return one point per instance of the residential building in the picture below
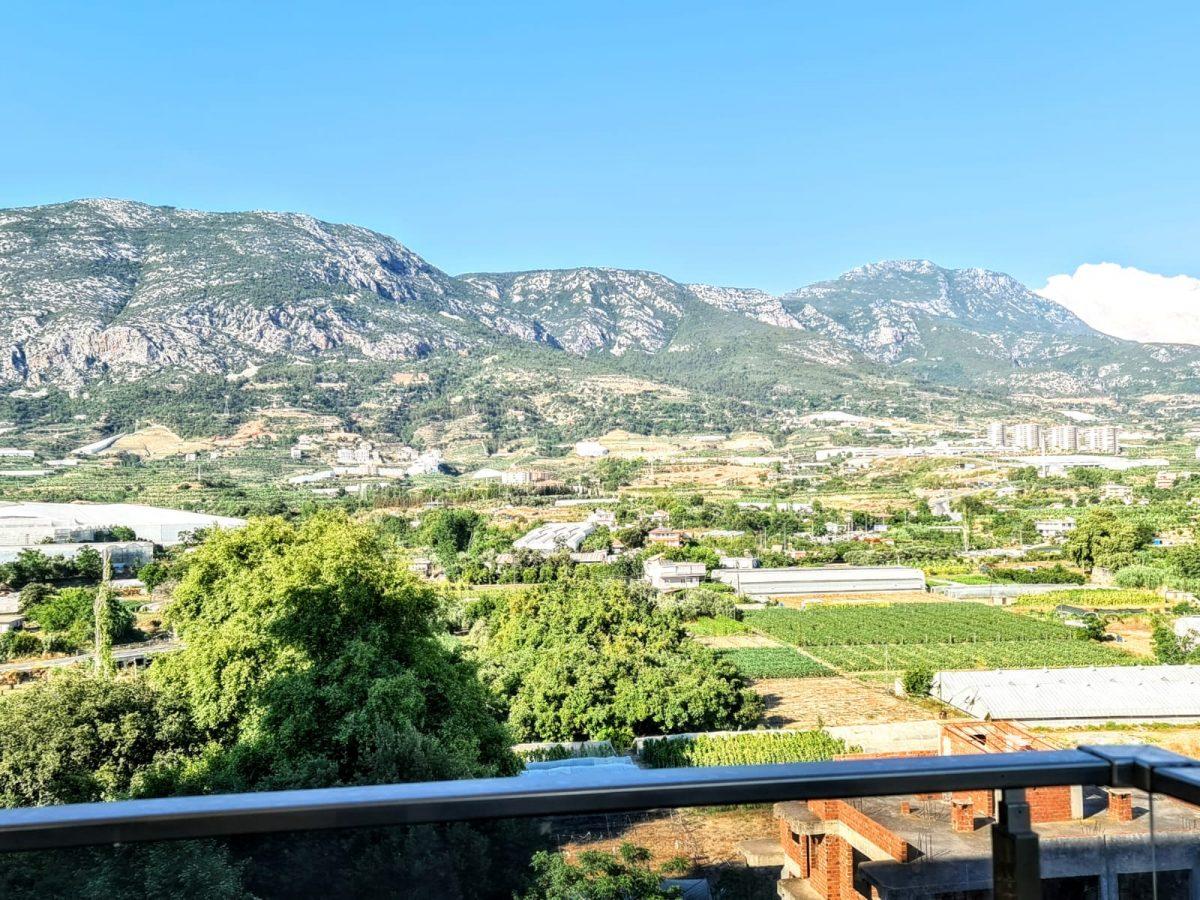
(1026, 436)
(1100, 439)
(1064, 438)
(603, 518)
(1054, 529)
(1165, 480)
(1094, 842)
(522, 477)
(665, 575)
(1120, 493)
(667, 537)
(996, 436)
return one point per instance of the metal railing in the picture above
(602, 790)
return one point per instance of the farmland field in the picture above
(907, 623)
(774, 662)
(932, 635)
(717, 626)
(750, 748)
(981, 655)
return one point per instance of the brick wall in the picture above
(1120, 805)
(1049, 804)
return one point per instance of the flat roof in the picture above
(1103, 692)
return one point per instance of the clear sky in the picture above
(756, 144)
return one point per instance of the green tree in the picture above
(1101, 537)
(88, 564)
(70, 613)
(312, 659)
(599, 875)
(602, 661)
(75, 739)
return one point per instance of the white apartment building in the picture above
(1063, 438)
(1026, 436)
(1100, 439)
(996, 436)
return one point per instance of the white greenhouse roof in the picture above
(553, 537)
(1109, 692)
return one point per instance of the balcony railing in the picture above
(583, 791)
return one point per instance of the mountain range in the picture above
(109, 292)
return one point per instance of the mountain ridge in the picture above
(103, 290)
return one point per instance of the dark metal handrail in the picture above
(591, 790)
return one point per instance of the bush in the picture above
(917, 682)
(701, 602)
(1144, 577)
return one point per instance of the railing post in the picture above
(1016, 867)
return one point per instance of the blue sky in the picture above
(755, 144)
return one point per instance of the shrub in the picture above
(917, 682)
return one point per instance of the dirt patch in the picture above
(808, 702)
(705, 836)
(1135, 634)
(717, 475)
(1183, 739)
(871, 597)
(736, 641)
(155, 442)
(405, 379)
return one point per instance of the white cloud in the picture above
(1129, 303)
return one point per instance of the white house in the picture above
(665, 575)
(1054, 529)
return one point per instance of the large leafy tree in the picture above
(1102, 538)
(312, 658)
(602, 661)
(79, 739)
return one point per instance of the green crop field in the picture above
(982, 655)
(774, 662)
(902, 623)
(932, 635)
(717, 626)
(747, 749)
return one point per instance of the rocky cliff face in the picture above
(107, 289)
(111, 288)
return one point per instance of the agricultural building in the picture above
(548, 539)
(125, 556)
(798, 581)
(33, 523)
(1062, 696)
